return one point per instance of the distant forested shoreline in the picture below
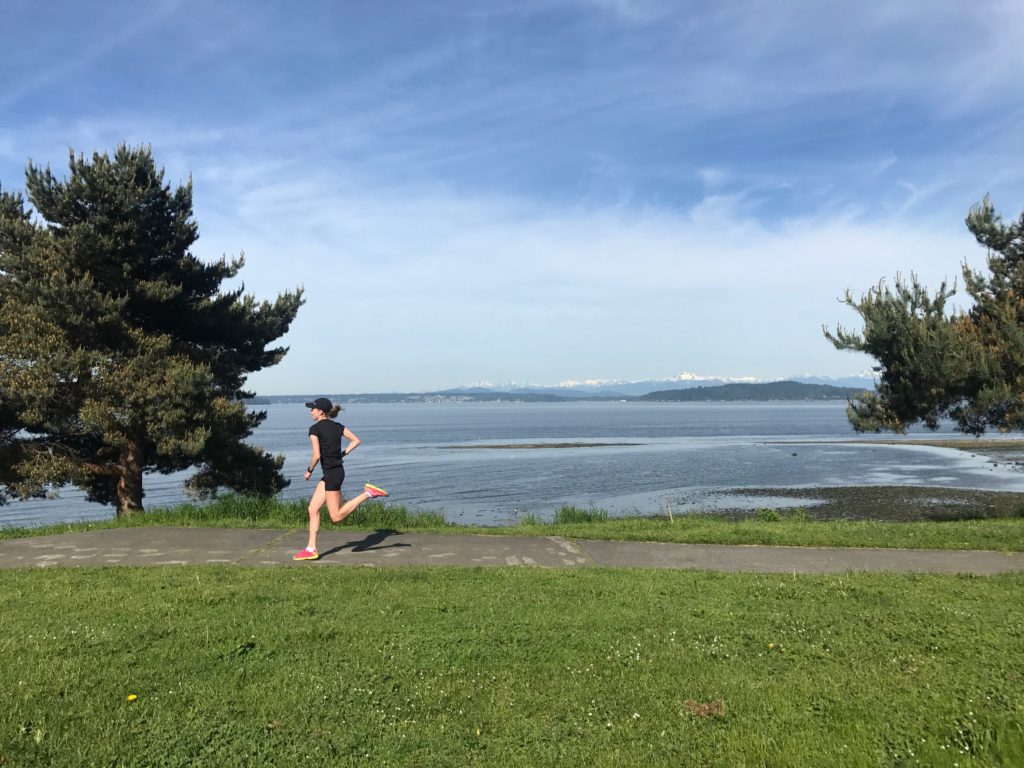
(774, 390)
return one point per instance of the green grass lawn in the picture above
(1005, 532)
(508, 667)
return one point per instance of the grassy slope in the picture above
(508, 667)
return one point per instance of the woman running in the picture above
(326, 436)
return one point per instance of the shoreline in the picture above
(885, 503)
(534, 446)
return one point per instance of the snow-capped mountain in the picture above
(866, 379)
(685, 380)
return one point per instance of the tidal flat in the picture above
(887, 503)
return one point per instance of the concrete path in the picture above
(179, 546)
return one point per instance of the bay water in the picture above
(490, 463)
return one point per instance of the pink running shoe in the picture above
(373, 491)
(306, 554)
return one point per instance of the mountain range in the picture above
(800, 387)
(685, 380)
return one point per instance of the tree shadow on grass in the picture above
(371, 543)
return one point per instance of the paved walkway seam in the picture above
(254, 552)
(574, 549)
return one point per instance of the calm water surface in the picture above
(435, 456)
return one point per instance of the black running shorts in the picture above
(333, 478)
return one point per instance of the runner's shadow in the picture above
(368, 544)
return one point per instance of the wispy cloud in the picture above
(711, 283)
(548, 190)
(66, 60)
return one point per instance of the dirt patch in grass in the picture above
(707, 709)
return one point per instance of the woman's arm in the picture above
(353, 441)
(316, 455)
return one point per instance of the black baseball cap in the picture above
(322, 403)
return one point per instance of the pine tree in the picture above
(935, 362)
(119, 353)
(8, 446)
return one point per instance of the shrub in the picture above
(801, 514)
(577, 515)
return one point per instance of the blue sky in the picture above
(544, 191)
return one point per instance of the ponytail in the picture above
(335, 410)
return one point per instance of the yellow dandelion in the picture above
(771, 645)
(132, 697)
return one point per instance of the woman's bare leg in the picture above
(349, 507)
(315, 503)
(334, 506)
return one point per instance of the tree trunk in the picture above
(129, 483)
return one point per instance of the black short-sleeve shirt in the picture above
(329, 434)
